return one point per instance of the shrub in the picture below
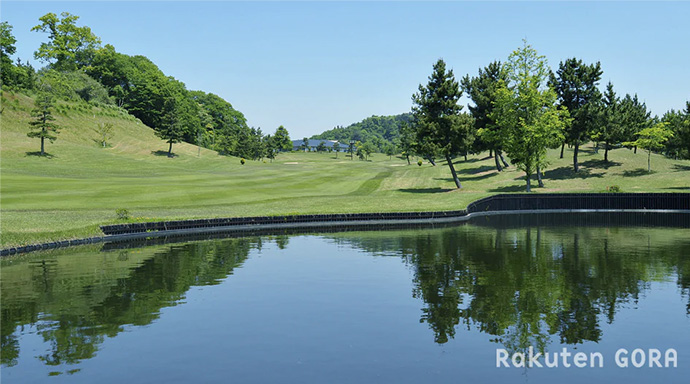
(122, 214)
(419, 162)
(242, 161)
(613, 189)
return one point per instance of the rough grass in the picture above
(80, 185)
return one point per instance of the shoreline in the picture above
(501, 204)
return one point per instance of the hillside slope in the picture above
(81, 185)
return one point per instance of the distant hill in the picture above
(378, 130)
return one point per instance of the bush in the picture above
(419, 162)
(122, 214)
(613, 189)
(242, 161)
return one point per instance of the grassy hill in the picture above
(80, 185)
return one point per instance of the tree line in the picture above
(79, 68)
(522, 108)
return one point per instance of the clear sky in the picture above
(313, 65)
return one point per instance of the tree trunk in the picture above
(606, 151)
(635, 150)
(649, 160)
(170, 148)
(408, 159)
(596, 147)
(505, 163)
(42, 146)
(498, 163)
(452, 170)
(562, 149)
(575, 150)
(541, 183)
(465, 156)
(431, 160)
(529, 186)
(491, 152)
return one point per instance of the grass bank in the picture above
(80, 185)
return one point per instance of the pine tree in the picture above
(610, 130)
(576, 85)
(171, 129)
(439, 124)
(43, 127)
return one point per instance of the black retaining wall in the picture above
(501, 202)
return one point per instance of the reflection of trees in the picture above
(524, 283)
(73, 317)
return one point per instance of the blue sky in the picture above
(313, 65)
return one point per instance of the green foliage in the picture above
(321, 147)
(678, 146)
(242, 161)
(635, 117)
(526, 112)
(73, 85)
(482, 90)
(171, 128)
(69, 47)
(282, 139)
(440, 126)
(576, 84)
(122, 214)
(652, 139)
(610, 128)
(613, 189)
(419, 162)
(43, 126)
(105, 133)
(378, 130)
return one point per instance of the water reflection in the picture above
(521, 282)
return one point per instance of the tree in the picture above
(482, 91)
(321, 147)
(407, 141)
(336, 148)
(171, 129)
(389, 150)
(105, 133)
(610, 129)
(271, 146)
(282, 139)
(635, 117)
(439, 124)
(69, 47)
(576, 84)
(43, 127)
(305, 144)
(652, 139)
(526, 112)
(7, 49)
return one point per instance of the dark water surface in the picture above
(400, 306)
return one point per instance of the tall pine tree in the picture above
(576, 85)
(439, 122)
(43, 127)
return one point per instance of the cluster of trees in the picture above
(79, 68)
(522, 108)
(380, 132)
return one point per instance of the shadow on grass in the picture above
(38, 154)
(163, 153)
(512, 188)
(472, 171)
(467, 178)
(679, 167)
(426, 190)
(599, 164)
(679, 188)
(637, 172)
(100, 144)
(564, 173)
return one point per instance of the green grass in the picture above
(80, 185)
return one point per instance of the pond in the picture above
(456, 303)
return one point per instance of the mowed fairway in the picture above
(80, 185)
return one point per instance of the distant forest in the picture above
(380, 131)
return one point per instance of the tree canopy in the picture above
(69, 47)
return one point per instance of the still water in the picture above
(398, 306)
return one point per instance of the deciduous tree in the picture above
(652, 139)
(526, 111)
(69, 47)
